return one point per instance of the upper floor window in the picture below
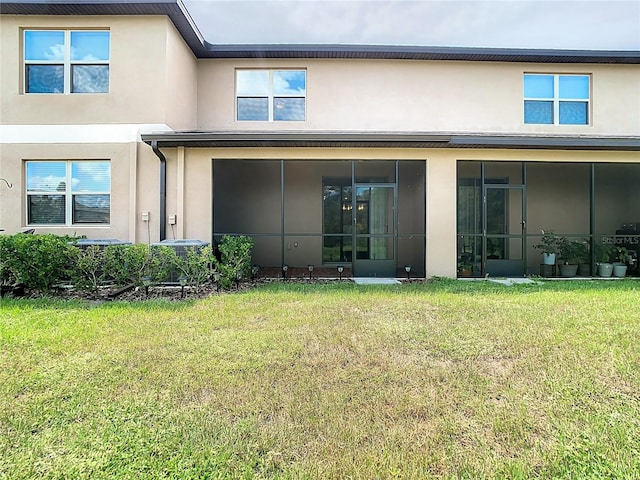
(66, 61)
(271, 95)
(556, 99)
(68, 192)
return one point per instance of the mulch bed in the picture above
(176, 293)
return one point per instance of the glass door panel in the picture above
(337, 220)
(374, 223)
(337, 249)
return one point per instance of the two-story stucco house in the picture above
(119, 121)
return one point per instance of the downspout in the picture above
(163, 188)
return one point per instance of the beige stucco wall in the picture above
(543, 183)
(13, 201)
(615, 187)
(188, 192)
(151, 75)
(181, 74)
(427, 96)
(147, 195)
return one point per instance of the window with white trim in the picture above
(66, 61)
(271, 95)
(556, 99)
(68, 192)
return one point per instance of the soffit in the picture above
(399, 52)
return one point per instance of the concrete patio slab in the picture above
(511, 281)
(375, 281)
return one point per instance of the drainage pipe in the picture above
(163, 188)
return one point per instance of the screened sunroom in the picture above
(367, 216)
(503, 208)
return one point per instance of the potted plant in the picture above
(570, 253)
(603, 256)
(576, 252)
(620, 265)
(550, 246)
(465, 269)
(583, 256)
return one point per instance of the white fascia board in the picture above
(96, 133)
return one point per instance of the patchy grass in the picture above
(443, 379)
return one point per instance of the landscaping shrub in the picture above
(235, 259)
(200, 265)
(197, 267)
(6, 274)
(86, 269)
(39, 262)
(130, 264)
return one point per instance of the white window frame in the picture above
(556, 100)
(66, 62)
(68, 194)
(270, 94)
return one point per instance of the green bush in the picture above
(131, 264)
(197, 267)
(86, 267)
(39, 262)
(235, 259)
(6, 251)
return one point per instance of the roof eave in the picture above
(385, 140)
(174, 9)
(413, 52)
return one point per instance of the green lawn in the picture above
(444, 379)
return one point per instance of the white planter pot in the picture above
(549, 258)
(605, 269)
(619, 270)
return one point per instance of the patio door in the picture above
(374, 232)
(504, 230)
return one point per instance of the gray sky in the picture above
(568, 24)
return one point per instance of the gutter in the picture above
(262, 139)
(163, 188)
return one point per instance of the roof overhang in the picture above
(261, 139)
(413, 52)
(174, 9)
(181, 18)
